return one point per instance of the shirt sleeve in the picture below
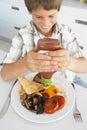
(21, 44)
(15, 51)
(70, 42)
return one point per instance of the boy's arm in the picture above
(12, 70)
(78, 65)
(33, 61)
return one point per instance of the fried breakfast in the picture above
(36, 99)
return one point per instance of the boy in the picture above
(23, 56)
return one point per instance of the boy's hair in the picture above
(46, 4)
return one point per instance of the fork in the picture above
(76, 113)
(7, 102)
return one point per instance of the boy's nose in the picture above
(46, 22)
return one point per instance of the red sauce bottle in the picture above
(44, 45)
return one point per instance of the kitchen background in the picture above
(14, 15)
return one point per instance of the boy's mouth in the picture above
(46, 28)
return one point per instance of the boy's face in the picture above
(44, 20)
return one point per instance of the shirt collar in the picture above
(37, 35)
(56, 31)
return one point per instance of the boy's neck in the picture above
(49, 34)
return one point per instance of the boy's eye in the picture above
(51, 16)
(38, 17)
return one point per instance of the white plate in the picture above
(45, 118)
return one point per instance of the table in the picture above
(12, 121)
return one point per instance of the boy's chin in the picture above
(46, 33)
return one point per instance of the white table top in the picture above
(12, 121)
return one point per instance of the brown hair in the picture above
(46, 4)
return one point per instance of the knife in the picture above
(7, 102)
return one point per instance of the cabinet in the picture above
(13, 16)
(77, 20)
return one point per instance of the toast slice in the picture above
(30, 86)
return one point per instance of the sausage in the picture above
(45, 96)
(61, 101)
(51, 105)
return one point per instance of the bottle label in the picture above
(46, 82)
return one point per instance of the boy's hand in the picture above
(62, 57)
(37, 62)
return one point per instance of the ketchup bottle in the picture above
(44, 45)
